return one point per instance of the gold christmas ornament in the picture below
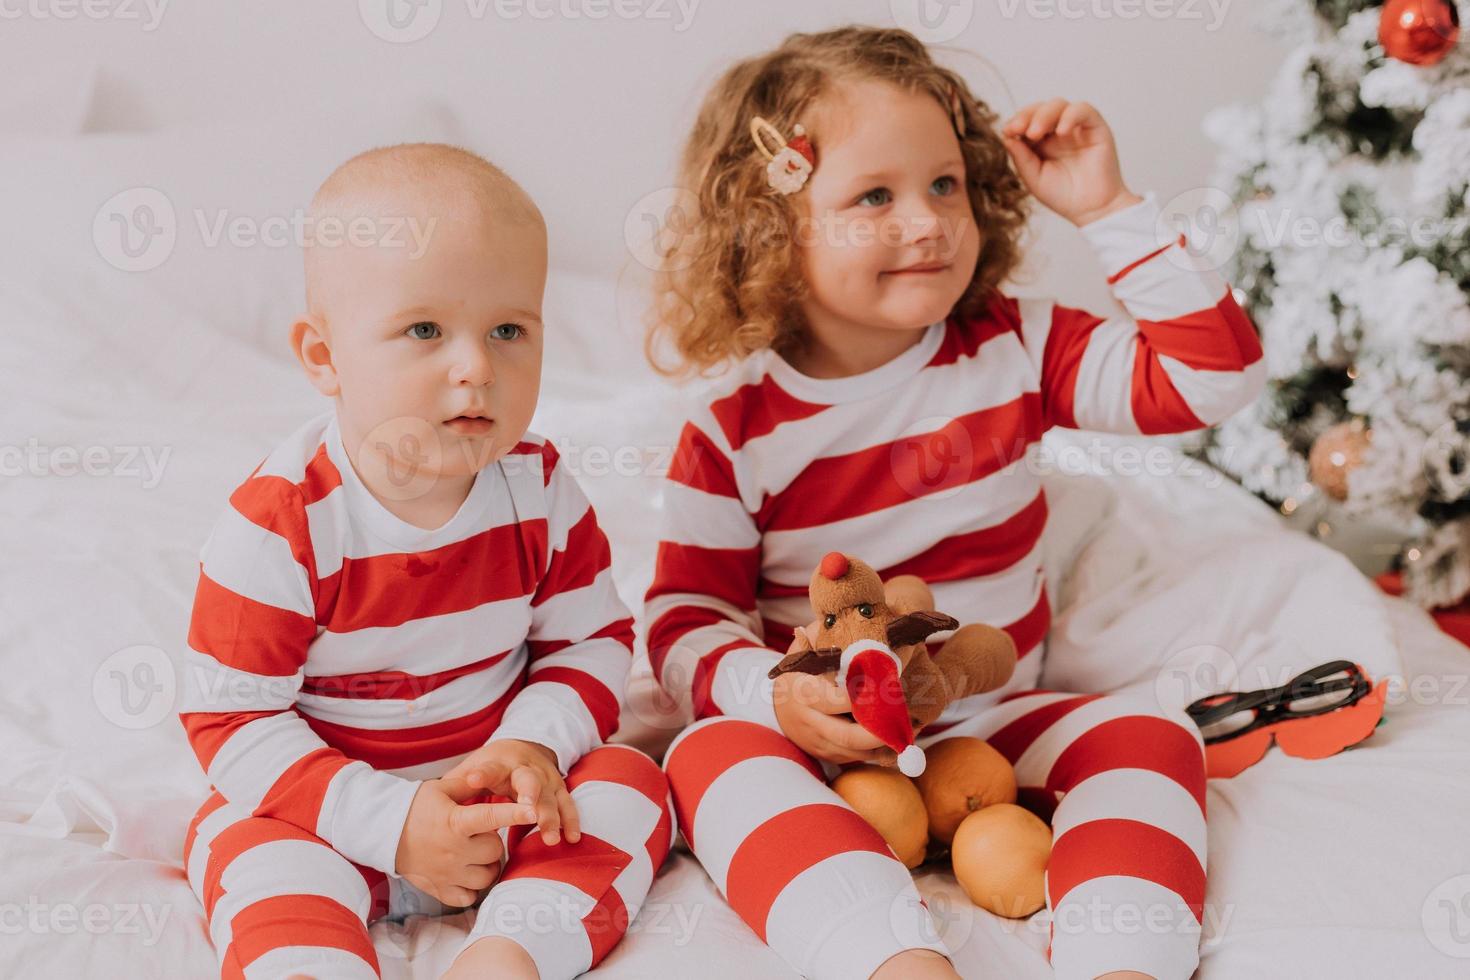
(1335, 454)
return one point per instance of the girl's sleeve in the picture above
(704, 630)
(581, 635)
(253, 619)
(1184, 356)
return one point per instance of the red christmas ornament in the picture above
(1420, 32)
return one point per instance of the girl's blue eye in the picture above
(945, 185)
(513, 328)
(879, 192)
(423, 331)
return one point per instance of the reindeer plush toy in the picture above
(871, 634)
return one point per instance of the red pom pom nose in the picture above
(834, 565)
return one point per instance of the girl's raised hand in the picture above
(1065, 154)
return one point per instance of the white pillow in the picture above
(53, 100)
(1077, 507)
(70, 202)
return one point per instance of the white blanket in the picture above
(1353, 866)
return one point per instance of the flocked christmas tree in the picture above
(1348, 247)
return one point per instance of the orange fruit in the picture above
(962, 775)
(888, 800)
(999, 856)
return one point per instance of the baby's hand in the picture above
(1065, 154)
(526, 771)
(453, 851)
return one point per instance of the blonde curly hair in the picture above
(730, 282)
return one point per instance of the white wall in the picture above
(589, 112)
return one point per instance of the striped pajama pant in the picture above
(1121, 782)
(280, 900)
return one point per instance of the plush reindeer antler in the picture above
(917, 627)
(809, 662)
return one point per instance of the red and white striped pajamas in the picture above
(338, 656)
(922, 466)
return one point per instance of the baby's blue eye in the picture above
(423, 330)
(877, 192)
(945, 185)
(507, 331)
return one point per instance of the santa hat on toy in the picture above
(870, 671)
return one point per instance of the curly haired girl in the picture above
(856, 212)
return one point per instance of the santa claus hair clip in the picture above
(790, 163)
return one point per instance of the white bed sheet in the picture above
(1346, 867)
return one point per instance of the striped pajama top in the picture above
(338, 655)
